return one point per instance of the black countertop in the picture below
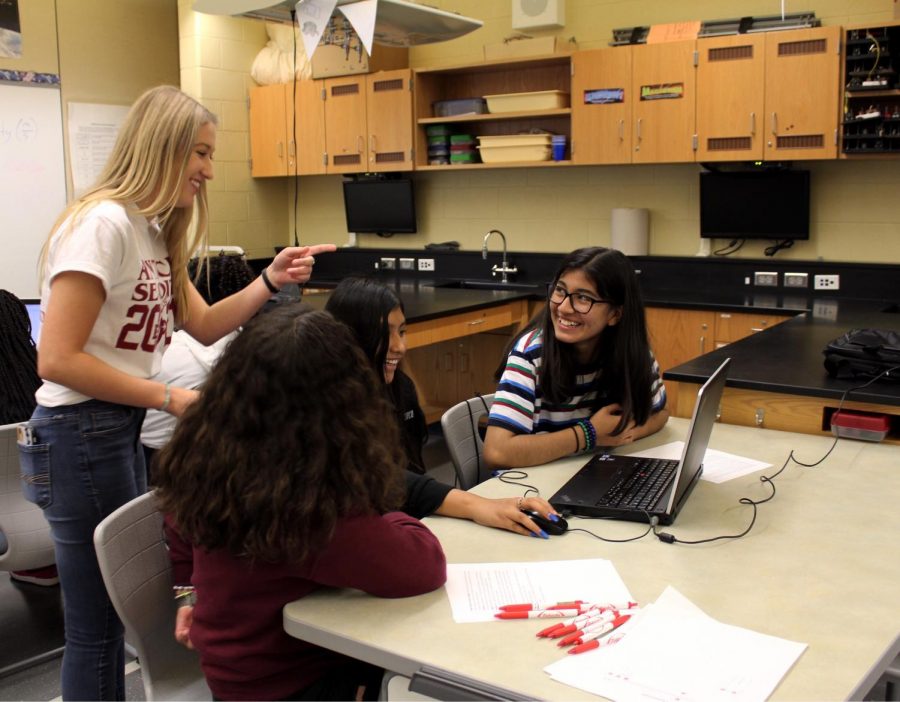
(786, 358)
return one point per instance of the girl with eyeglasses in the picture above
(582, 374)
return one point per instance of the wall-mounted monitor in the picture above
(758, 204)
(382, 206)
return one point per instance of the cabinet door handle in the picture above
(702, 344)
(752, 124)
(476, 321)
(621, 130)
(360, 144)
(756, 329)
(292, 148)
(640, 119)
(280, 149)
(464, 363)
(775, 123)
(372, 143)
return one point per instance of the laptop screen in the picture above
(34, 313)
(702, 422)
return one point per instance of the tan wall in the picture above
(105, 51)
(557, 209)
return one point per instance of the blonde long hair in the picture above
(147, 165)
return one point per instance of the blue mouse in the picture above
(560, 526)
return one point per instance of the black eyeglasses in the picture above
(580, 302)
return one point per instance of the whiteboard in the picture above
(32, 180)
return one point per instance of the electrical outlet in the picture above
(426, 264)
(796, 280)
(766, 279)
(825, 309)
(407, 264)
(827, 282)
(388, 263)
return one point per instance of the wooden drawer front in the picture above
(457, 325)
(731, 326)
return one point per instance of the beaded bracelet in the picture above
(590, 434)
(185, 596)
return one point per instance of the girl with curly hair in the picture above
(280, 479)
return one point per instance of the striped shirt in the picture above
(519, 407)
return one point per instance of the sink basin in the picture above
(489, 285)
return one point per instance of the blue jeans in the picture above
(87, 461)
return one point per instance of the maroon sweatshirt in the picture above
(237, 626)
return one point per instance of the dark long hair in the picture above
(18, 361)
(622, 351)
(286, 438)
(363, 304)
(220, 276)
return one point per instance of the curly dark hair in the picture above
(18, 361)
(218, 277)
(287, 437)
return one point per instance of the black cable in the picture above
(294, 128)
(770, 479)
(778, 246)
(651, 525)
(733, 246)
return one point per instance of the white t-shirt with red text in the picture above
(129, 256)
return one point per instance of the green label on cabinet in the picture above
(662, 91)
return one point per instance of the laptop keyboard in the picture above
(643, 487)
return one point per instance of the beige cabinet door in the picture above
(663, 89)
(730, 98)
(268, 131)
(802, 86)
(311, 146)
(345, 119)
(601, 102)
(389, 117)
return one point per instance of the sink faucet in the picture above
(503, 268)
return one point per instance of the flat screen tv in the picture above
(380, 206)
(762, 204)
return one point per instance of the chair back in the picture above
(460, 426)
(134, 562)
(23, 525)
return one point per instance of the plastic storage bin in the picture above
(854, 425)
(465, 106)
(527, 102)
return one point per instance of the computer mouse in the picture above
(560, 526)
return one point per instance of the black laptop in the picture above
(635, 489)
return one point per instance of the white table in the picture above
(820, 566)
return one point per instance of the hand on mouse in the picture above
(501, 513)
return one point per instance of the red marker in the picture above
(534, 606)
(550, 629)
(595, 643)
(592, 637)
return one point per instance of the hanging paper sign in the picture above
(312, 18)
(361, 16)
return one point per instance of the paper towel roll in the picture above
(631, 230)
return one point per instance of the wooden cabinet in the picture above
(664, 100)
(871, 119)
(272, 151)
(273, 148)
(369, 122)
(730, 98)
(452, 358)
(802, 76)
(677, 336)
(601, 106)
(491, 78)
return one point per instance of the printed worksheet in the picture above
(478, 590)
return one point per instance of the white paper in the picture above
(718, 466)
(93, 129)
(477, 590)
(312, 18)
(674, 651)
(361, 16)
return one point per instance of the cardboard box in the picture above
(517, 48)
(331, 60)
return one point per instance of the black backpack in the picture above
(864, 353)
